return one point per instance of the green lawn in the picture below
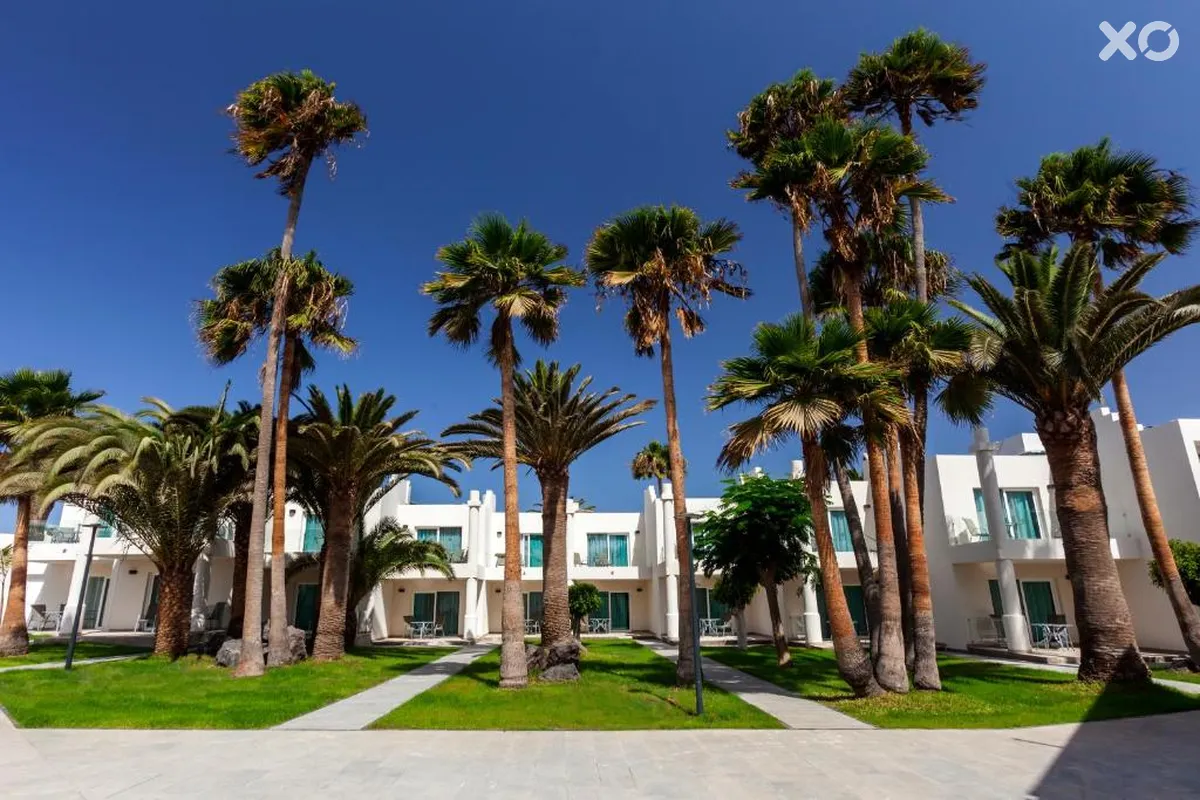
(1176, 675)
(977, 694)
(624, 686)
(42, 651)
(193, 692)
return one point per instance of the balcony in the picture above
(54, 534)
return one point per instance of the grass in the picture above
(624, 686)
(194, 692)
(42, 652)
(1176, 674)
(976, 694)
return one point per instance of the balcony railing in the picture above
(458, 556)
(56, 534)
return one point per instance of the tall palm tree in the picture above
(919, 74)
(286, 120)
(783, 112)
(343, 451)
(515, 272)
(652, 461)
(26, 396)
(803, 382)
(240, 313)
(667, 262)
(1119, 203)
(1051, 348)
(165, 476)
(558, 420)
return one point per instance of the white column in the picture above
(200, 590)
(475, 557)
(1016, 632)
(378, 609)
(808, 590)
(74, 590)
(470, 620)
(672, 632)
(667, 517)
(115, 580)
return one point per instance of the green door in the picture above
(93, 601)
(306, 606)
(1039, 601)
(858, 608)
(447, 612)
(997, 601)
(618, 616)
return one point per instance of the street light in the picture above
(87, 567)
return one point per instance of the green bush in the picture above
(583, 599)
(1187, 559)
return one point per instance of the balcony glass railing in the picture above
(57, 534)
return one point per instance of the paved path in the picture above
(79, 662)
(358, 711)
(787, 707)
(1149, 757)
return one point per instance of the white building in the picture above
(996, 568)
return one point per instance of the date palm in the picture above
(652, 461)
(918, 75)
(783, 112)
(26, 396)
(558, 420)
(286, 121)
(1051, 347)
(514, 272)
(342, 453)
(666, 262)
(240, 313)
(803, 382)
(1121, 204)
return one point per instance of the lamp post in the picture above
(87, 567)
(699, 671)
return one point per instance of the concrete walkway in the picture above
(79, 662)
(787, 707)
(358, 711)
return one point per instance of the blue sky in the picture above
(120, 199)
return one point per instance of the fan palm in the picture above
(513, 272)
(918, 74)
(558, 420)
(666, 262)
(165, 476)
(652, 461)
(1051, 348)
(26, 396)
(1120, 203)
(805, 382)
(784, 112)
(239, 313)
(343, 453)
(286, 120)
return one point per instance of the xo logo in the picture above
(1118, 41)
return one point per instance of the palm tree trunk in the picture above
(14, 636)
(685, 665)
(556, 612)
(903, 571)
(890, 670)
(174, 624)
(862, 553)
(853, 664)
(514, 671)
(920, 426)
(1156, 532)
(250, 663)
(278, 651)
(330, 641)
(798, 258)
(1108, 646)
(918, 221)
(241, 559)
(742, 639)
(925, 667)
(783, 656)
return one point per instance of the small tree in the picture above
(584, 600)
(1187, 561)
(760, 530)
(736, 593)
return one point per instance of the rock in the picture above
(1181, 665)
(568, 652)
(229, 653)
(213, 643)
(534, 658)
(297, 639)
(560, 673)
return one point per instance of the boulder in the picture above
(534, 658)
(567, 652)
(560, 654)
(297, 639)
(560, 673)
(213, 642)
(229, 653)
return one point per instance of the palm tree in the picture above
(666, 262)
(165, 476)
(1119, 203)
(389, 549)
(919, 74)
(26, 396)
(240, 313)
(806, 382)
(558, 420)
(652, 461)
(783, 112)
(1051, 348)
(513, 271)
(342, 453)
(286, 120)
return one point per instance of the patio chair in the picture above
(579, 561)
(408, 621)
(439, 625)
(37, 617)
(216, 617)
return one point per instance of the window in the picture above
(533, 605)
(841, 531)
(314, 535)
(608, 550)
(981, 516)
(531, 550)
(439, 607)
(1022, 515)
(108, 526)
(449, 538)
(707, 606)
(615, 608)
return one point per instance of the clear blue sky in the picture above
(118, 199)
